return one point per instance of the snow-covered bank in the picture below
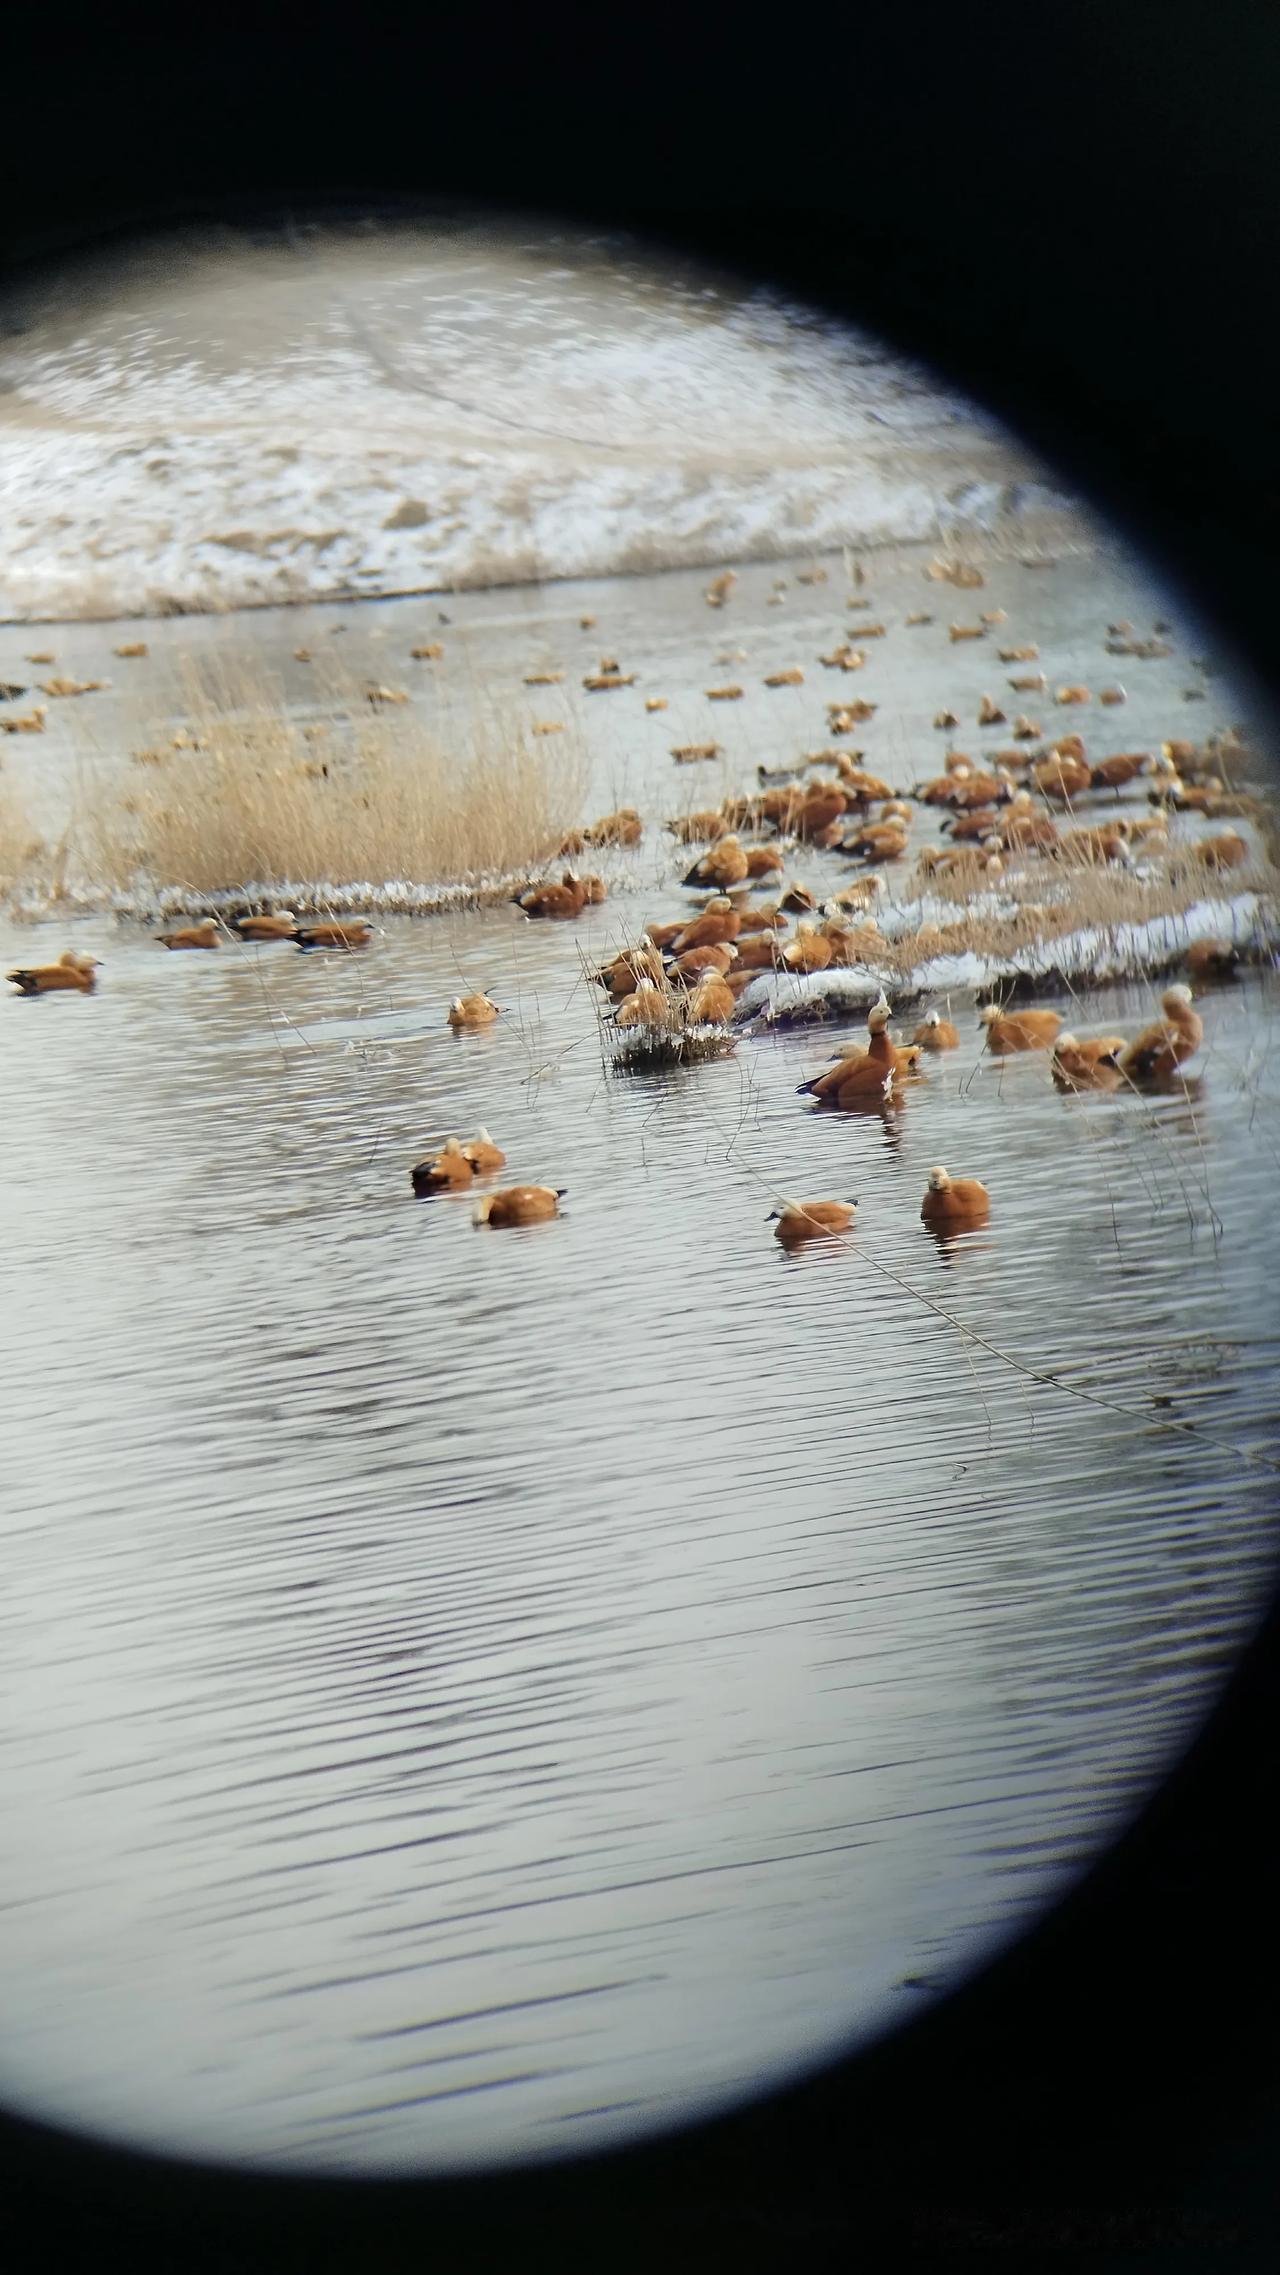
(1087, 957)
(230, 424)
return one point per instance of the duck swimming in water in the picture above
(954, 1201)
(443, 1172)
(471, 1011)
(1018, 1031)
(483, 1154)
(519, 1204)
(278, 924)
(201, 935)
(1089, 1064)
(811, 1220)
(937, 1034)
(344, 932)
(73, 972)
(1161, 1048)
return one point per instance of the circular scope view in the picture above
(637, 1154)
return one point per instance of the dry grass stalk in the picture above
(253, 796)
(20, 844)
(663, 1038)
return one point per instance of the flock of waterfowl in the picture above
(679, 984)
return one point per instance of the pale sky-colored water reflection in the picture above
(470, 1695)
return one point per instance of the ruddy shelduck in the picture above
(1227, 851)
(977, 789)
(1078, 1065)
(518, 1204)
(443, 1172)
(698, 828)
(971, 828)
(724, 863)
(759, 953)
(624, 827)
(1062, 776)
(628, 969)
(797, 898)
(1019, 1031)
(718, 922)
(766, 916)
(954, 1201)
(347, 932)
(483, 1154)
(937, 1034)
(1113, 773)
(798, 1221)
(567, 899)
(810, 951)
(858, 895)
(276, 924)
(716, 957)
(1212, 959)
(73, 973)
(471, 1011)
(711, 1002)
(201, 935)
(1161, 1048)
(868, 1085)
(820, 811)
(646, 1006)
(862, 1075)
(877, 841)
(663, 936)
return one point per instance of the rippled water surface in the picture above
(472, 1694)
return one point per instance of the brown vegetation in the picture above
(250, 800)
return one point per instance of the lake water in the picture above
(471, 1695)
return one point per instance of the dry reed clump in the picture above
(1042, 901)
(21, 847)
(247, 793)
(664, 1040)
(643, 1050)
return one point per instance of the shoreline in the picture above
(216, 423)
(1036, 539)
